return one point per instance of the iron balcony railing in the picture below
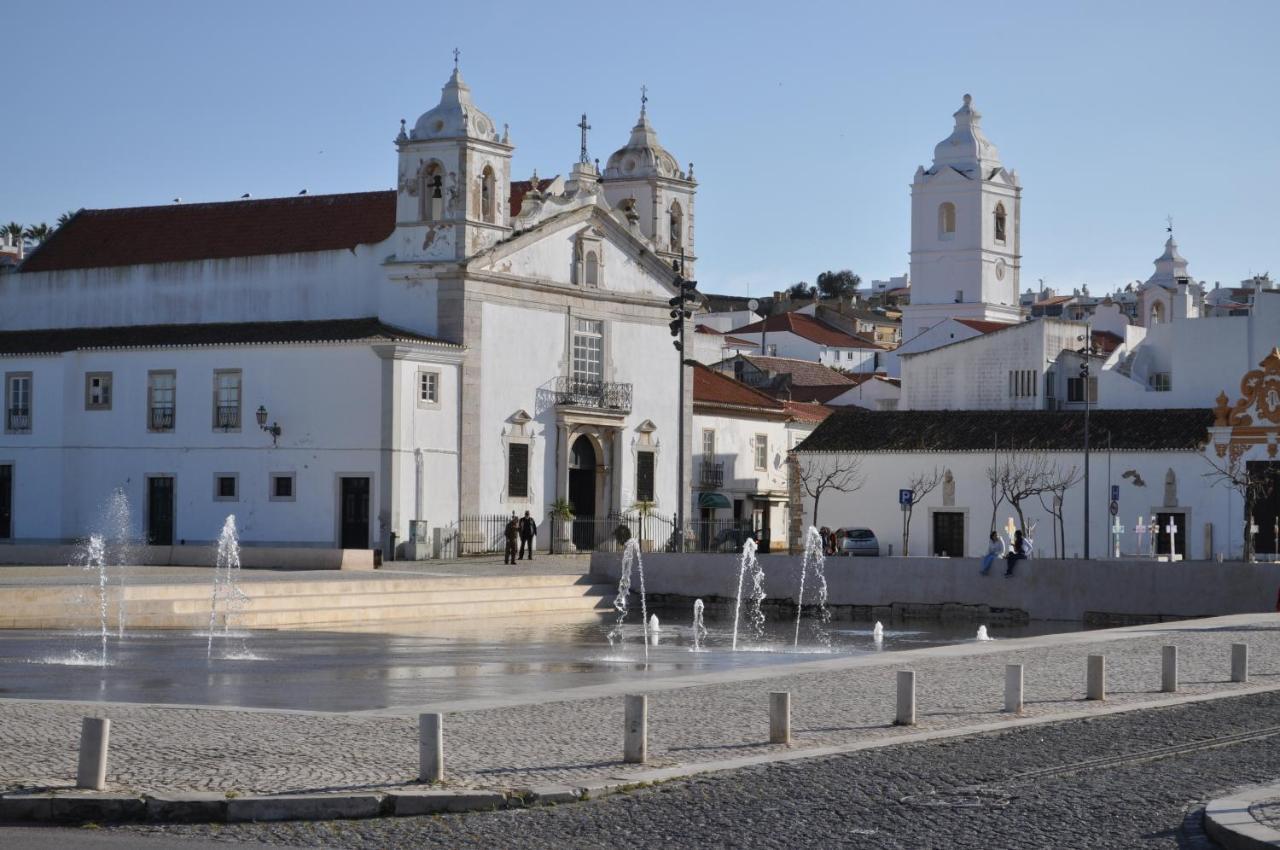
(711, 474)
(577, 392)
(18, 419)
(227, 416)
(161, 419)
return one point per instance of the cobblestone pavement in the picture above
(1034, 787)
(157, 748)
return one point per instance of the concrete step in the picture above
(418, 597)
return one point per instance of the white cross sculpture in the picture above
(1253, 531)
(1116, 530)
(1140, 529)
(1009, 528)
(1172, 529)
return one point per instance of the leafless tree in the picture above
(1233, 472)
(920, 486)
(820, 473)
(1020, 477)
(1057, 483)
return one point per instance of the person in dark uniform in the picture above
(512, 533)
(528, 532)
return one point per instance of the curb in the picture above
(1229, 822)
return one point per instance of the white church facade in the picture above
(464, 344)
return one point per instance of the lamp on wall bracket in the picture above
(273, 429)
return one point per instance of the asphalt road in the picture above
(1119, 781)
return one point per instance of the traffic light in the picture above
(1084, 369)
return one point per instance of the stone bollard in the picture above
(1096, 680)
(635, 744)
(1169, 669)
(430, 748)
(91, 772)
(1239, 662)
(1013, 688)
(906, 715)
(779, 717)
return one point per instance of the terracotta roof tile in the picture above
(810, 329)
(56, 340)
(520, 188)
(807, 411)
(802, 372)
(177, 233)
(984, 326)
(712, 387)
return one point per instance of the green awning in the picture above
(713, 500)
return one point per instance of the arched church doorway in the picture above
(582, 491)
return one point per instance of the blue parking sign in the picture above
(904, 497)
(1115, 492)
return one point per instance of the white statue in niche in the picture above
(948, 489)
(1170, 489)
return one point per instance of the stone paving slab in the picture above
(568, 739)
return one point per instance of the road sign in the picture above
(1115, 508)
(1115, 492)
(904, 497)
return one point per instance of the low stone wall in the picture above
(1078, 590)
(253, 557)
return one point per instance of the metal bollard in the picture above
(430, 748)
(1240, 662)
(635, 744)
(1096, 680)
(779, 717)
(1013, 688)
(1169, 669)
(91, 772)
(906, 715)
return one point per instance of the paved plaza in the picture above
(710, 720)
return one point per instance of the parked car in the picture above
(731, 539)
(857, 541)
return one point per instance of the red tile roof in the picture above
(177, 233)
(984, 326)
(802, 372)
(821, 394)
(519, 188)
(808, 411)
(712, 387)
(810, 329)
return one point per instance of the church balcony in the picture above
(600, 395)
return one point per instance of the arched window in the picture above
(947, 221)
(487, 191)
(677, 226)
(1000, 223)
(432, 192)
(592, 269)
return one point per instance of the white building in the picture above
(464, 344)
(798, 335)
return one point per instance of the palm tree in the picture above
(14, 231)
(38, 232)
(66, 216)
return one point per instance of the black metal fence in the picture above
(610, 534)
(724, 535)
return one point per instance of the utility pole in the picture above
(686, 291)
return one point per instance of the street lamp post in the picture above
(1085, 350)
(686, 291)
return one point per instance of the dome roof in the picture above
(967, 149)
(454, 116)
(642, 156)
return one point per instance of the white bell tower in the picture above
(965, 242)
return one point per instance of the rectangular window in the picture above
(162, 389)
(708, 443)
(97, 390)
(226, 487)
(226, 400)
(428, 388)
(644, 477)
(588, 352)
(1023, 383)
(518, 471)
(848, 355)
(762, 451)
(1161, 382)
(1075, 390)
(282, 489)
(17, 403)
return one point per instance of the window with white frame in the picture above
(1023, 383)
(162, 396)
(226, 400)
(588, 352)
(1161, 382)
(17, 404)
(518, 471)
(708, 443)
(644, 476)
(428, 388)
(226, 487)
(762, 451)
(97, 390)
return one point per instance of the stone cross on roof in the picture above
(584, 127)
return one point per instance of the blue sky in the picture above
(805, 121)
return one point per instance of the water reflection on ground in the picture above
(346, 671)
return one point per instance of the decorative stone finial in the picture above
(506, 134)
(644, 99)
(690, 169)
(968, 100)
(457, 52)
(402, 136)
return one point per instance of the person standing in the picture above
(528, 532)
(1017, 552)
(512, 533)
(995, 549)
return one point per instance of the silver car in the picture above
(857, 541)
